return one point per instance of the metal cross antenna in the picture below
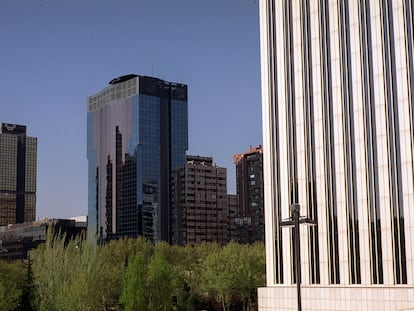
(294, 221)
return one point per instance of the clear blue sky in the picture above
(55, 53)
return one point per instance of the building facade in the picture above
(201, 206)
(338, 138)
(137, 134)
(18, 240)
(233, 208)
(18, 169)
(249, 183)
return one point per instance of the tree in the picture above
(190, 266)
(70, 275)
(27, 301)
(79, 275)
(217, 277)
(134, 294)
(12, 282)
(160, 281)
(116, 256)
(249, 272)
(50, 269)
(234, 271)
(86, 286)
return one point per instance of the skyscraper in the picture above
(249, 182)
(137, 134)
(18, 168)
(338, 139)
(201, 205)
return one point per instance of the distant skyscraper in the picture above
(18, 168)
(137, 134)
(249, 222)
(338, 139)
(201, 206)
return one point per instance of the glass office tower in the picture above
(338, 139)
(18, 169)
(137, 134)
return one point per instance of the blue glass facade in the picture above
(137, 134)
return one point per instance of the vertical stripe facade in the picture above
(290, 63)
(311, 187)
(329, 145)
(338, 136)
(374, 212)
(272, 39)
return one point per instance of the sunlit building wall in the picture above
(338, 131)
(18, 171)
(137, 134)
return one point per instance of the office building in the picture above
(137, 134)
(18, 168)
(338, 139)
(249, 182)
(201, 206)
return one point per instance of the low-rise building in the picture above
(17, 240)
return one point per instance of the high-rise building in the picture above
(338, 139)
(201, 206)
(137, 134)
(233, 207)
(249, 222)
(18, 168)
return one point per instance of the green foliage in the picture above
(133, 274)
(160, 283)
(86, 270)
(12, 284)
(50, 267)
(234, 271)
(27, 301)
(152, 283)
(217, 277)
(134, 295)
(193, 264)
(115, 256)
(66, 275)
(250, 273)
